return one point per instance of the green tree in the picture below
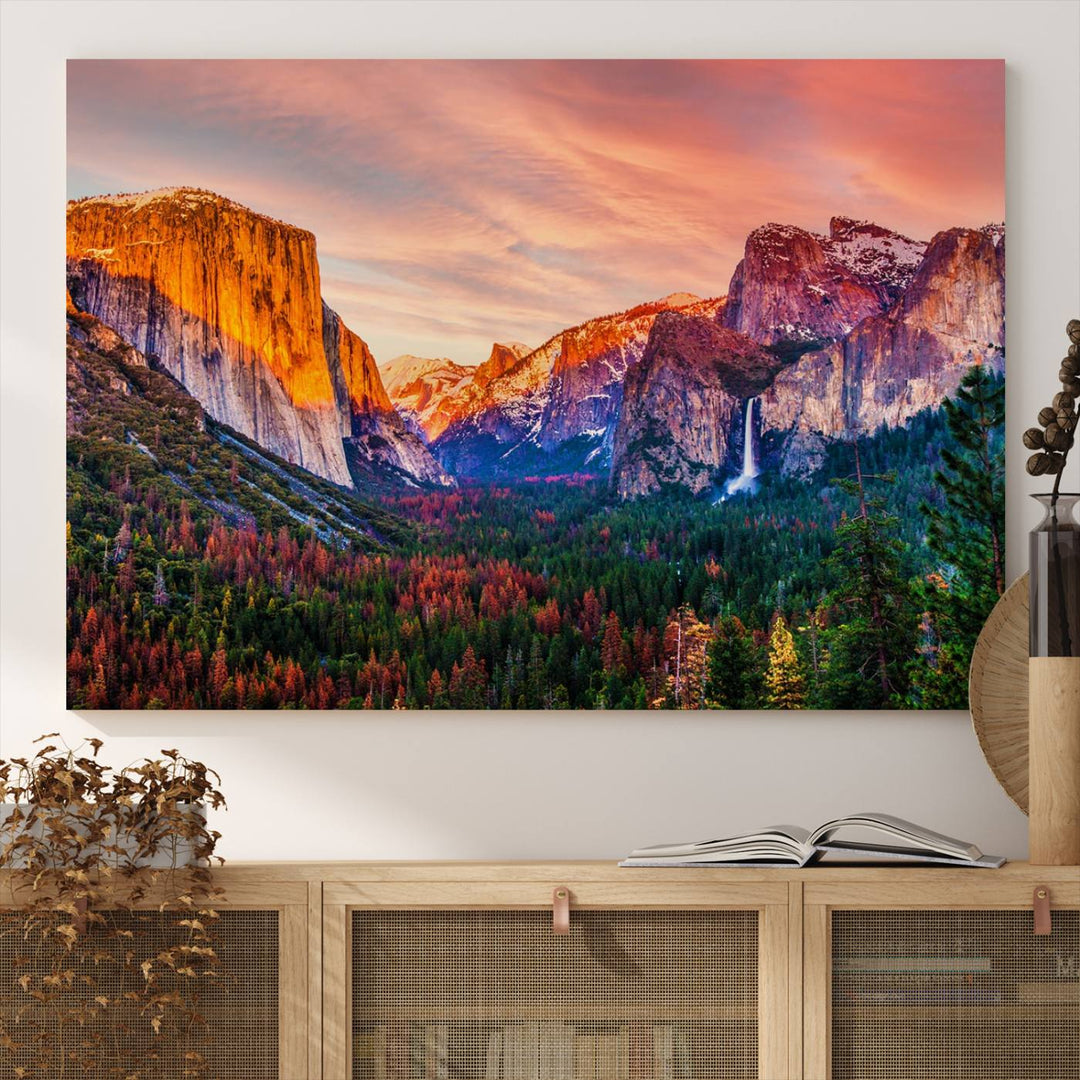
(871, 648)
(966, 533)
(733, 679)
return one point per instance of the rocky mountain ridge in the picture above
(794, 290)
(228, 302)
(556, 408)
(834, 335)
(433, 393)
(896, 361)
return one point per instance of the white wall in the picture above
(516, 785)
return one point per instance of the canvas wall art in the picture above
(533, 384)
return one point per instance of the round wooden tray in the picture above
(998, 690)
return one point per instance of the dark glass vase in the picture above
(1055, 579)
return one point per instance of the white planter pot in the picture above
(162, 859)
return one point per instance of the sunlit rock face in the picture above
(504, 355)
(587, 375)
(557, 406)
(431, 393)
(228, 302)
(794, 290)
(906, 359)
(682, 404)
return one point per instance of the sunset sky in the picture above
(456, 203)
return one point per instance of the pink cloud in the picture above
(455, 201)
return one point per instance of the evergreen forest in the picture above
(202, 572)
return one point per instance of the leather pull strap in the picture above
(1040, 902)
(560, 911)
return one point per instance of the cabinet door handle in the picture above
(560, 911)
(1040, 903)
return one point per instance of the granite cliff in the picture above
(795, 290)
(228, 302)
(682, 402)
(907, 358)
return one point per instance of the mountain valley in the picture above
(658, 507)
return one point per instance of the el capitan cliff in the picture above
(228, 302)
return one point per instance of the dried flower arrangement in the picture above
(107, 921)
(1053, 580)
(1054, 439)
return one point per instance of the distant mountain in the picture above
(431, 394)
(504, 355)
(902, 360)
(555, 409)
(816, 377)
(228, 302)
(794, 290)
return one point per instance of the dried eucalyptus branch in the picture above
(1054, 439)
(109, 913)
(1053, 443)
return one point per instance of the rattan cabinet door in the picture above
(230, 1020)
(946, 992)
(492, 993)
(495, 994)
(256, 1019)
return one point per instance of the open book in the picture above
(864, 837)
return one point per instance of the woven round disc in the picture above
(998, 690)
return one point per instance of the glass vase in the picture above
(1054, 578)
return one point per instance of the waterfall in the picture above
(749, 466)
(747, 479)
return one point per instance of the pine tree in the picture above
(536, 676)
(786, 688)
(436, 694)
(686, 643)
(468, 682)
(967, 535)
(591, 614)
(733, 680)
(611, 649)
(122, 543)
(871, 648)
(125, 578)
(219, 673)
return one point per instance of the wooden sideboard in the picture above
(396, 970)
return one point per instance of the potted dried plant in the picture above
(106, 915)
(1054, 663)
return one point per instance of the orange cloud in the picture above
(456, 202)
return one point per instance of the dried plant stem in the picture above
(111, 909)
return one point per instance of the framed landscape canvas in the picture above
(533, 384)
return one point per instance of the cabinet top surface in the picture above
(605, 871)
